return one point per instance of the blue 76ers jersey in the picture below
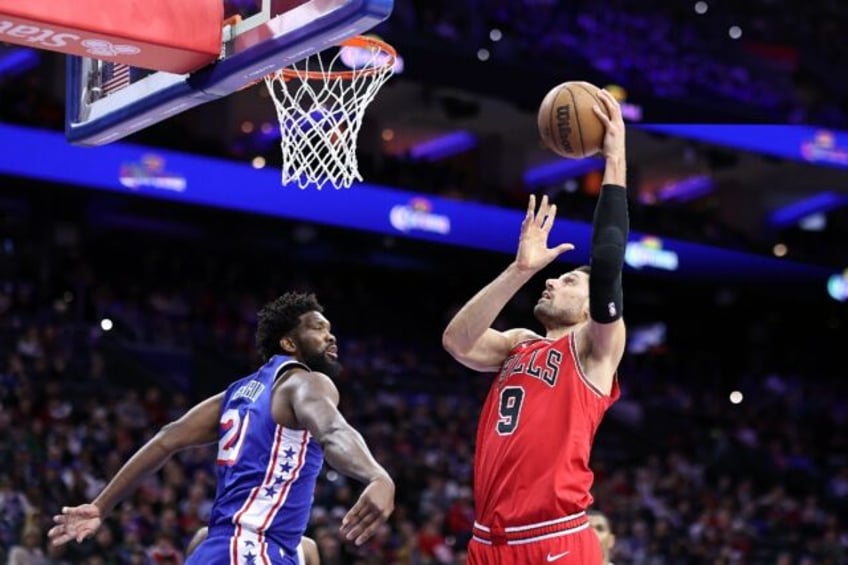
(266, 473)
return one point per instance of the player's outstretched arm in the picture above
(469, 337)
(604, 340)
(198, 426)
(314, 402)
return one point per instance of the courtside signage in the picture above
(798, 143)
(150, 171)
(191, 179)
(419, 215)
(649, 252)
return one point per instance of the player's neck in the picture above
(558, 332)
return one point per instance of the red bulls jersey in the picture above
(535, 435)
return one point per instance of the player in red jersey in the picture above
(534, 437)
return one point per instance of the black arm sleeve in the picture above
(609, 238)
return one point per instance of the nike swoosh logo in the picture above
(557, 556)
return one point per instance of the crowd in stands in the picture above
(684, 475)
(782, 67)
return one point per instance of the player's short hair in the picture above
(585, 269)
(279, 317)
(599, 514)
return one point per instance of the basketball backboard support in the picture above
(107, 101)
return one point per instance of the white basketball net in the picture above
(320, 113)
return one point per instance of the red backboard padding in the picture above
(177, 36)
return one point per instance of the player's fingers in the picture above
(83, 533)
(369, 531)
(60, 519)
(613, 107)
(352, 529)
(61, 539)
(364, 525)
(531, 208)
(601, 115)
(563, 247)
(355, 515)
(610, 102)
(549, 218)
(543, 210)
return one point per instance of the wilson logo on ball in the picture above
(563, 114)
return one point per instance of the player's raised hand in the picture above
(610, 115)
(533, 251)
(75, 523)
(373, 508)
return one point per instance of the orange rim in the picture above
(357, 41)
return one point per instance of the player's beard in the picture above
(320, 362)
(551, 317)
(546, 314)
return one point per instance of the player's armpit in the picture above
(489, 351)
(600, 348)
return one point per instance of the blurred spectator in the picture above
(29, 551)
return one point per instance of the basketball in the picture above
(567, 124)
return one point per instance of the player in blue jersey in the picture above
(307, 550)
(274, 429)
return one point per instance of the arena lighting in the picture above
(820, 203)
(837, 286)
(560, 170)
(443, 146)
(807, 144)
(139, 171)
(15, 61)
(813, 222)
(686, 189)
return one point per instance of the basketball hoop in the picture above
(320, 109)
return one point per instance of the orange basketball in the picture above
(567, 124)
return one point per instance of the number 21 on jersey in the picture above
(509, 409)
(233, 430)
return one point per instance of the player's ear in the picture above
(611, 540)
(288, 345)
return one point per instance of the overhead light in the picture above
(443, 146)
(795, 212)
